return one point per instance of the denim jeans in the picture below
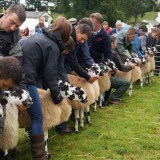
(35, 112)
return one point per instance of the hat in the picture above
(72, 20)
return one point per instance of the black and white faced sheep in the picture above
(9, 136)
(96, 69)
(72, 92)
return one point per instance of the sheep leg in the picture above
(130, 90)
(46, 144)
(95, 105)
(149, 78)
(81, 117)
(100, 101)
(141, 82)
(76, 114)
(7, 156)
(88, 118)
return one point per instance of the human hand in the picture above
(69, 101)
(92, 79)
(21, 107)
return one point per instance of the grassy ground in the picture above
(130, 131)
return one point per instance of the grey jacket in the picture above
(124, 46)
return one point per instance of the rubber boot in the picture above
(38, 147)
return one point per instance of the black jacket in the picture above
(71, 61)
(41, 54)
(100, 46)
(9, 46)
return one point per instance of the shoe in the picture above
(67, 130)
(114, 102)
(105, 103)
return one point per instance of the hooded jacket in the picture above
(41, 54)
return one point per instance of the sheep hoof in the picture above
(76, 131)
(101, 107)
(49, 156)
(89, 123)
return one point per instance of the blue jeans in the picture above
(35, 112)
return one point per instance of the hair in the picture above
(87, 21)
(131, 30)
(97, 16)
(118, 21)
(155, 30)
(105, 23)
(112, 38)
(84, 29)
(64, 27)
(70, 45)
(10, 67)
(18, 10)
(144, 28)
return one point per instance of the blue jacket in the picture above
(100, 46)
(83, 56)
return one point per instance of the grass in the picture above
(130, 131)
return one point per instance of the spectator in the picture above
(118, 28)
(40, 25)
(106, 27)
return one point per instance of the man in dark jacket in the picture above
(99, 43)
(10, 22)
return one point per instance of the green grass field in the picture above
(130, 131)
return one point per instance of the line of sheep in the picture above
(56, 114)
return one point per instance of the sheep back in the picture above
(136, 74)
(96, 89)
(9, 137)
(124, 75)
(51, 112)
(145, 68)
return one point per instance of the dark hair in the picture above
(84, 29)
(112, 38)
(18, 10)
(87, 21)
(144, 28)
(131, 30)
(10, 67)
(64, 27)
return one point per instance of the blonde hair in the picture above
(62, 24)
(97, 16)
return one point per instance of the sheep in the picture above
(79, 106)
(53, 114)
(132, 75)
(9, 137)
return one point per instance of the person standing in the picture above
(41, 54)
(40, 25)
